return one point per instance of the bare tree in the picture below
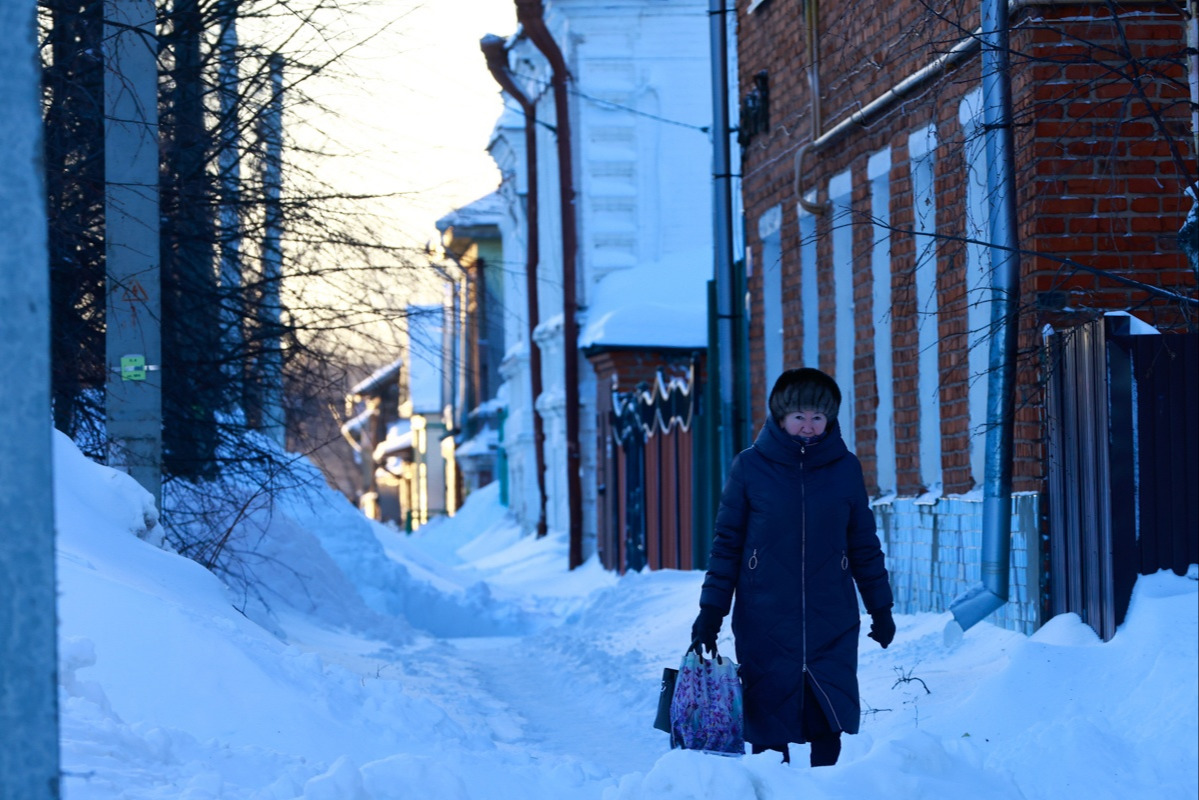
(277, 288)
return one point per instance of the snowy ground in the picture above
(466, 662)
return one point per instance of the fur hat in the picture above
(804, 388)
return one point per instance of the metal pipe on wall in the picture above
(722, 219)
(497, 63)
(995, 557)
(530, 14)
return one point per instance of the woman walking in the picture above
(794, 534)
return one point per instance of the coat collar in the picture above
(774, 444)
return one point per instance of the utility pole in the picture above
(134, 343)
(270, 314)
(229, 211)
(29, 762)
(729, 411)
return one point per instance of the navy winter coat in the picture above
(794, 533)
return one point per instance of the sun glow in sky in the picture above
(417, 116)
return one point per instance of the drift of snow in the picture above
(466, 662)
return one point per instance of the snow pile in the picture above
(491, 671)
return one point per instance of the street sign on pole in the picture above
(133, 344)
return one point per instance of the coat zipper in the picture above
(836, 720)
(803, 590)
(803, 560)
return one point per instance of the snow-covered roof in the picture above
(489, 408)
(382, 375)
(399, 437)
(483, 443)
(355, 423)
(487, 210)
(654, 304)
(1136, 325)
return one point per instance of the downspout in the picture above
(811, 12)
(530, 14)
(992, 593)
(1193, 76)
(497, 64)
(811, 18)
(722, 208)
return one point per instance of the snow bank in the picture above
(511, 676)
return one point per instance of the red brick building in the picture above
(865, 203)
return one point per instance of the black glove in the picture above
(705, 629)
(882, 626)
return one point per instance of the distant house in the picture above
(431, 475)
(401, 425)
(473, 243)
(373, 408)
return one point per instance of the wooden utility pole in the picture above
(29, 762)
(134, 344)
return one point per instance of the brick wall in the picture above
(1103, 152)
(1110, 155)
(1080, 140)
(933, 555)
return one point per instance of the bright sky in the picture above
(423, 108)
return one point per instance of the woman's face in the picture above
(805, 423)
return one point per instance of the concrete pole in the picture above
(228, 211)
(134, 344)
(29, 763)
(726, 308)
(271, 311)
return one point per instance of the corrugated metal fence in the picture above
(1123, 414)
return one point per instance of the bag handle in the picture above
(697, 647)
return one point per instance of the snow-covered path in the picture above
(470, 664)
(550, 709)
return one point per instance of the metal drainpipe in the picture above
(722, 208)
(992, 593)
(497, 64)
(811, 13)
(530, 14)
(1193, 47)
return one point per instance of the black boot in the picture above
(781, 748)
(826, 750)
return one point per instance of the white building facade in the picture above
(640, 106)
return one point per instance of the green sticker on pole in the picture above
(133, 368)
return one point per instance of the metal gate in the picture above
(650, 466)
